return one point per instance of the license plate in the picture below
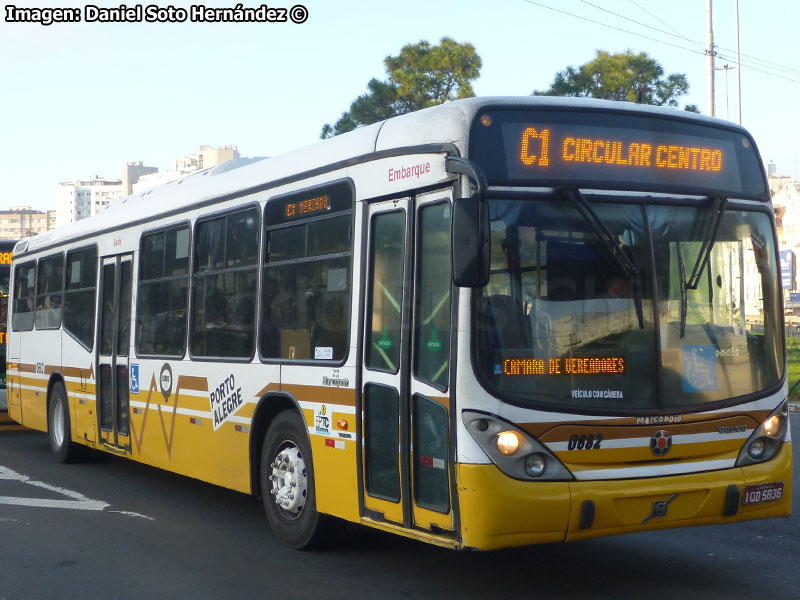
(764, 492)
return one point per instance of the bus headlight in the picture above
(772, 426)
(508, 442)
(535, 465)
(766, 439)
(515, 452)
(756, 449)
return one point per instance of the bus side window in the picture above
(305, 300)
(49, 287)
(80, 293)
(224, 286)
(24, 289)
(163, 293)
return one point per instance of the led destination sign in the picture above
(595, 365)
(319, 202)
(596, 152)
(306, 207)
(612, 150)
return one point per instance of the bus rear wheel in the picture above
(58, 426)
(287, 482)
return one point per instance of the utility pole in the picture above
(710, 58)
(738, 64)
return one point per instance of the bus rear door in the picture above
(113, 348)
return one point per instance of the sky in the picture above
(79, 100)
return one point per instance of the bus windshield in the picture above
(562, 322)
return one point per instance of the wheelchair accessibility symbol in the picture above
(134, 379)
(699, 368)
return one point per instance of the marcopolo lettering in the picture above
(659, 420)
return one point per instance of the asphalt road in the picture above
(116, 529)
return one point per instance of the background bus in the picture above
(6, 248)
(491, 323)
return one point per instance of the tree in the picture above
(623, 76)
(420, 76)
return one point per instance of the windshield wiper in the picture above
(708, 242)
(610, 245)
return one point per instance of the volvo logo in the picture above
(660, 507)
(661, 442)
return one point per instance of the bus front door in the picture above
(405, 402)
(113, 344)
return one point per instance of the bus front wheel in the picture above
(287, 482)
(58, 426)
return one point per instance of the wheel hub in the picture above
(289, 480)
(58, 423)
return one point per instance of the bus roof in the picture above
(446, 124)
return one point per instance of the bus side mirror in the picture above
(470, 241)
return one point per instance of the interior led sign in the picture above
(306, 207)
(321, 201)
(572, 366)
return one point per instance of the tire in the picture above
(287, 483)
(59, 429)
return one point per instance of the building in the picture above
(776, 183)
(772, 169)
(786, 203)
(18, 222)
(82, 198)
(131, 173)
(206, 158)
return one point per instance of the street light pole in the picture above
(726, 68)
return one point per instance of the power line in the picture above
(775, 65)
(563, 12)
(732, 58)
(699, 44)
(611, 12)
(700, 52)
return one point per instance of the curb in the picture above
(794, 406)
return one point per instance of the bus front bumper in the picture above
(499, 512)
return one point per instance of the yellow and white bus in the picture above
(496, 322)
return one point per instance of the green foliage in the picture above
(624, 76)
(420, 76)
(793, 368)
